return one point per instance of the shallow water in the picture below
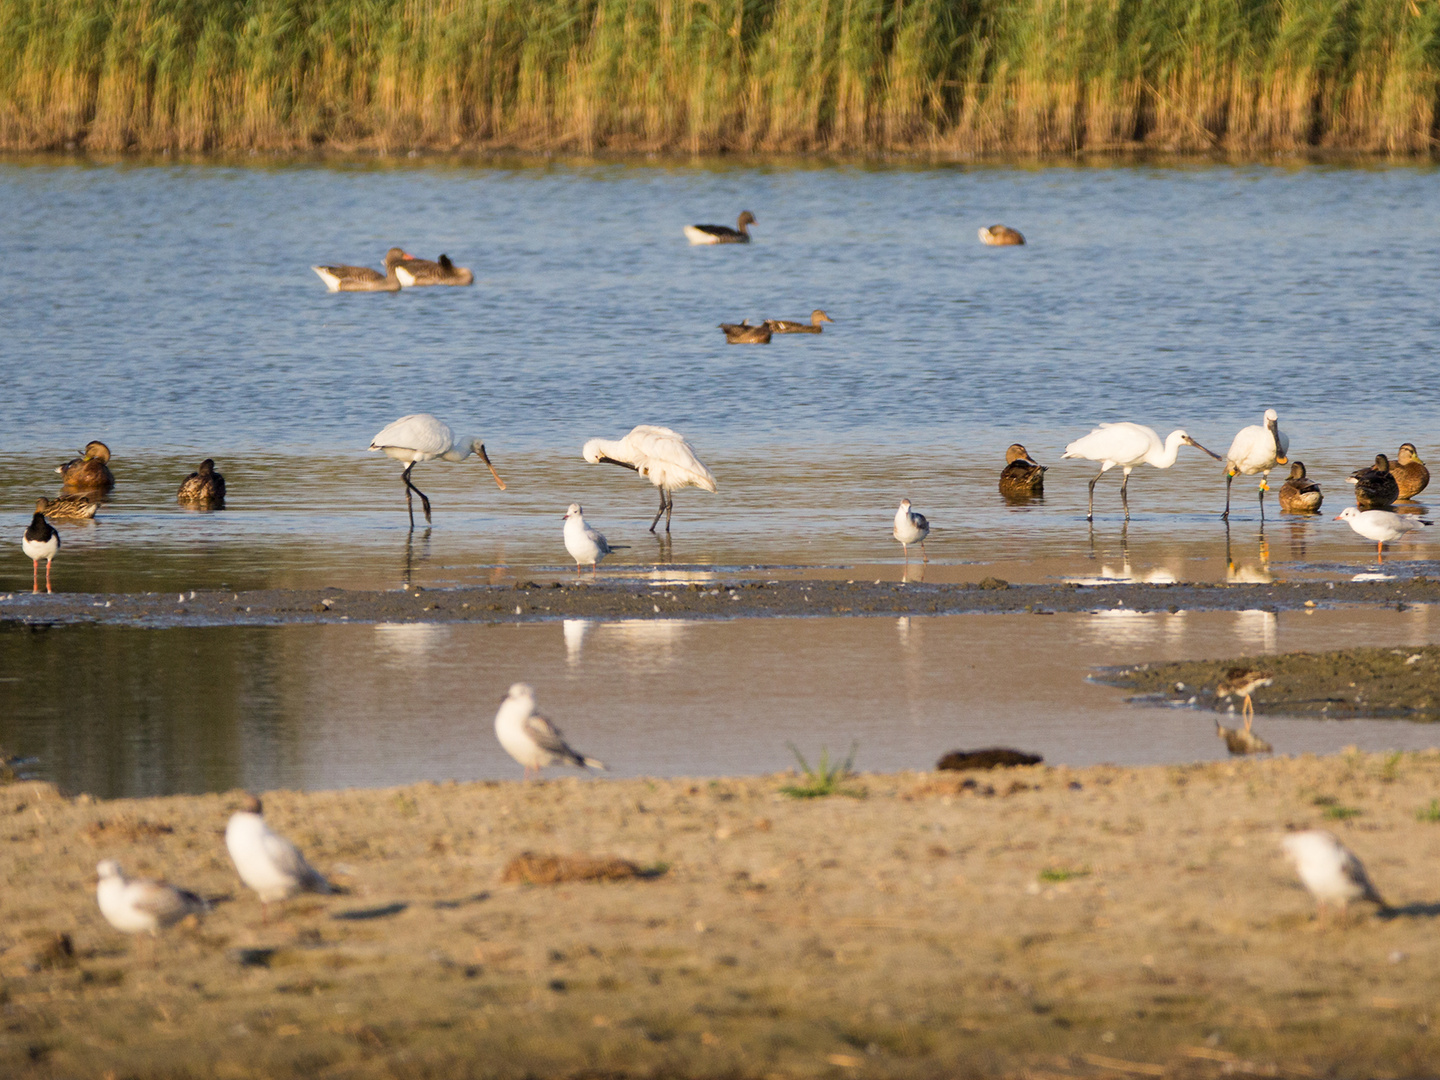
(137, 712)
(171, 312)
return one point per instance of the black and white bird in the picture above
(1329, 870)
(911, 528)
(135, 906)
(658, 454)
(266, 861)
(586, 546)
(421, 437)
(722, 234)
(531, 739)
(41, 542)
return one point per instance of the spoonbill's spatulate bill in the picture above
(421, 437)
(911, 528)
(1382, 526)
(1127, 445)
(1256, 449)
(41, 541)
(531, 739)
(659, 455)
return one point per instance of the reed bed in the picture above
(938, 76)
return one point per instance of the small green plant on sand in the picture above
(1429, 813)
(826, 778)
(1052, 874)
(1341, 813)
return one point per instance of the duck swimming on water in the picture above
(1411, 475)
(204, 485)
(785, 326)
(1299, 494)
(88, 472)
(1001, 236)
(1021, 478)
(1375, 487)
(67, 507)
(743, 333)
(362, 278)
(722, 234)
(414, 273)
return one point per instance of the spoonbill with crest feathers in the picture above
(1256, 449)
(1128, 445)
(661, 456)
(421, 437)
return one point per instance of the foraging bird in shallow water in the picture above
(1382, 526)
(136, 906)
(204, 485)
(742, 333)
(586, 546)
(659, 455)
(1256, 449)
(415, 273)
(1244, 682)
(1411, 475)
(421, 437)
(785, 326)
(531, 739)
(722, 234)
(41, 541)
(1022, 478)
(89, 472)
(1299, 494)
(1128, 445)
(1375, 487)
(911, 528)
(67, 508)
(1330, 870)
(266, 861)
(1000, 236)
(362, 278)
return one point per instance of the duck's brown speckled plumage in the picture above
(204, 485)
(88, 472)
(1299, 494)
(1022, 477)
(67, 507)
(743, 333)
(787, 326)
(1375, 487)
(1411, 475)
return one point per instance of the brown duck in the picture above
(722, 234)
(1411, 475)
(1375, 487)
(362, 278)
(1001, 236)
(88, 472)
(414, 273)
(1021, 478)
(204, 485)
(785, 326)
(1299, 494)
(67, 507)
(745, 334)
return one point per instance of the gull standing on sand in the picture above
(1382, 526)
(911, 528)
(266, 861)
(134, 906)
(658, 454)
(41, 541)
(1256, 449)
(586, 546)
(1128, 445)
(1329, 870)
(422, 437)
(531, 739)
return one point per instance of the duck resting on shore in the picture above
(362, 278)
(1022, 478)
(786, 326)
(722, 234)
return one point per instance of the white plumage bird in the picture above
(135, 906)
(1329, 869)
(586, 546)
(531, 739)
(661, 456)
(1127, 445)
(422, 437)
(1256, 449)
(911, 528)
(266, 861)
(1382, 526)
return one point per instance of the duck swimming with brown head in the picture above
(1299, 494)
(743, 333)
(787, 326)
(1022, 478)
(1411, 475)
(1375, 487)
(90, 471)
(362, 278)
(204, 485)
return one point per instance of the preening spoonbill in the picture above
(1128, 445)
(1329, 870)
(89, 472)
(722, 234)
(742, 333)
(1376, 486)
(67, 507)
(421, 437)
(1411, 475)
(1299, 494)
(785, 326)
(133, 906)
(661, 456)
(911, 528)
(1256, 449)
(531, 739)
(1000, 236)
(1022, 477)
(204, 485)
(414, 273)
(362, 278)
(41, 542)
(266, 861)
(586, 546)
(1382, 526)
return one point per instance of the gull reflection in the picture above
(646, 644)
(411, 639)
(575, 631)
(1257, 631)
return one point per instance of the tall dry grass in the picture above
(950, 76)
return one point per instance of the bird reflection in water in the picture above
(410, 557)
(1257, 573)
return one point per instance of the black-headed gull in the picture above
(134, 906)
(266, 861)
(1329, 869)
(911, 528)
(586, 546)
(531, 739)
(1382, 526)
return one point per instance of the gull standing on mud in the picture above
(41, 541)
(586, 546)
(1329, 870)
(1128, 445)
(911, 528)
(1256, 449)
(1382, 526)
(422, 437)
(266, 861)
(531, 739)
(659, 455)
(134, 906)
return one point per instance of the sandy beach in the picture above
(1030, 922)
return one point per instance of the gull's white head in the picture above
(108, 868)
(904, 504)
(573, 511)
(1350, 513)
(591, 452)
(520, 691)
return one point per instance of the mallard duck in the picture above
(722, 234)
(1375, 487)
(745, 334)
(1299, 494)
(67, 507)
(414, 273)
(1021, 478)
(1000, 236)
(362, 278)
(785, 326)
(1411, 475)
(41, 541)
(204, 485)
(89, 472)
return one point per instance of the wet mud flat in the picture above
(1038, 921)
(1402, 682)
(628, 599)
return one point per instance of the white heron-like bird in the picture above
(1256, 449)
(1127, 445)
(422, 437)
(661, 456)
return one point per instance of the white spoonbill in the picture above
(1382, 526)
(1256, 449)
(1128, 445)
(661, 456)
(911, 528)
(584, 543)
(421, 437)
(531, 739)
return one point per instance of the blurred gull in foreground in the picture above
(531, 739)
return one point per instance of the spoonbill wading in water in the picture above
(1256, 449)
(1128, 445)
(421, 437)
(661, 456)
